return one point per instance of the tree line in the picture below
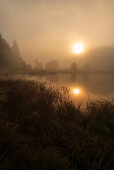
(10, 56)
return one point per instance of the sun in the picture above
(76, 91)
(78, 48)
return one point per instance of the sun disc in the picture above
(76, 91)
(78, 48)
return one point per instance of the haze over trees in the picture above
(10, 56)
(52, 65)
(101, 59)
(38, 65)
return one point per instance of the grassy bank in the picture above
(40, 130)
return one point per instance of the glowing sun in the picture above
(76, 91)
(78, 48)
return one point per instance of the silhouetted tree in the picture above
(15, 49)
(10, 56)
(73, 67)
(5, 54)
(36, 62)
(38, 65)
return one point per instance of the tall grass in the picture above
(41, 130)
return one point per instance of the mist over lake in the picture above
(56, 84)
(91, 86)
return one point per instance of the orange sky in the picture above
(47, 29)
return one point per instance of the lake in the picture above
(82, 87)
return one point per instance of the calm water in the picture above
(82, 87)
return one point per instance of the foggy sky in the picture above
(46, 29)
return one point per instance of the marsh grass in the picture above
(40, 129)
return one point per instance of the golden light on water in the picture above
(76, 91)
(78, 48)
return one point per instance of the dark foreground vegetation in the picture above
(40, 130)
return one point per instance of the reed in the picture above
(42, 130)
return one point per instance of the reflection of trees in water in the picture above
(94, 84)
(85, 78)
(98, 84)
(73, 77)
(52, 78)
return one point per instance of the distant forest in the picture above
(10, 56)
(98, 60)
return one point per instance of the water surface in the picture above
(82, 87)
